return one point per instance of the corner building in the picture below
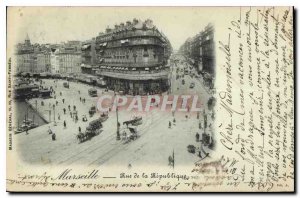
(133, 58)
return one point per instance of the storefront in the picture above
(137, 87)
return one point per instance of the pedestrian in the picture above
(71, 114)
(53, 137)
(79, 129)
(56, 102)
(199, 154)
(74, 108)
(26, 131)
(78, 92)
(80, 99)
(49, 130)
(64, 110)
(60, 93)
(170, 124)
(65, 124)
(69, 107)
(197, 137)
(63, 100)
(58, 116)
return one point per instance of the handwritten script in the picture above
(257, 100)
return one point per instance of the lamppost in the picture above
(118, 125)
(54, 115)
(117, 113)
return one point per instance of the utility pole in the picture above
(54, 115)
(36, 106)
(118, 125)
(173, 159)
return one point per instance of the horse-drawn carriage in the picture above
(137, 120)
(103, 117)
(129, 134)
(92, 130)
(92, 111)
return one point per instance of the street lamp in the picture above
(118, 126)
(54, 115)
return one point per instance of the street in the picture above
(155, 143)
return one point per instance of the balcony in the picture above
(130, 64)
(86, 54)
(129, 34)
(135, 43)
(135, 75)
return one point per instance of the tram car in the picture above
(92, 130)
(137, 120)
(66, 85)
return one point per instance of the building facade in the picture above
(133, 58)
(32, 58)
(200, 49)
(25, 58)
(88, 56)
(66, 58)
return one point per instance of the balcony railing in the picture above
(86, 54)
(135, 75)
(129, 34)
(134, 43)
(128, 64)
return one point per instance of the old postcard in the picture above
(150, 99)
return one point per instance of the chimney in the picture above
(128, 23)
(108, 29)
(135, 21)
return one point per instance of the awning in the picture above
(86, 46)
(124, 41)
(133, 69)
(104, 44)
(146, 68)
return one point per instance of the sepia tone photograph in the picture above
(150, 99)
(62, 86)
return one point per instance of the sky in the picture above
(58, 24)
